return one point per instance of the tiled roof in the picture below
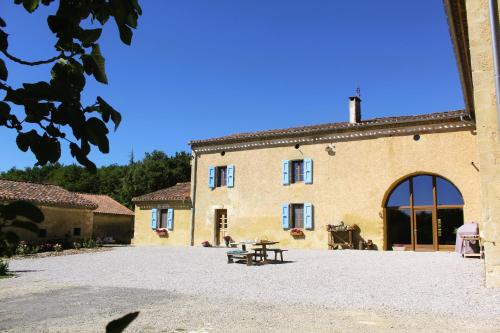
(43, 194)
(106, 204)
(335, 127)
(180, 191)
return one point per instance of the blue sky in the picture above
(198, 69)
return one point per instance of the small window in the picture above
(297, 218)
(77, 231)
(221, 176)
(42, 233)
(297, 171)
(163, 218)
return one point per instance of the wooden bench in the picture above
(259, 253)
(240, 255)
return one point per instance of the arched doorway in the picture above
(422, 213)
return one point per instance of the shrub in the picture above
(35, 249)
(77, 245)
(58, 247)
(4, 267)
(89, 243)
(22, 248)
(47, 247)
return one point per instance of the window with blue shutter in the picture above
(285, 216)
(230, 176)
(170, 219)
(286, 172)
(154, 218)
(211, 177)
(308, 171)
(308, 216)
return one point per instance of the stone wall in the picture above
(349, 186)
(144, 235)
(60, 223)
(488, 145)
(120, 227)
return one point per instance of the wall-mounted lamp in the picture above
(331, 149)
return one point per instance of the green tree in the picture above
(52, 109)
(154, 172)
(122, 182)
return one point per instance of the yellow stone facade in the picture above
(59, 223)
(120, 227)
(488, 141)
(180, 235)
(349, 186)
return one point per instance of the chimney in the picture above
(354, 109)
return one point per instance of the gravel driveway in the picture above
(194, 289)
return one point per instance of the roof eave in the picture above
(353, 128)
(457, 22)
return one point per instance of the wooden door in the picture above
(221, 225)
(423, 229)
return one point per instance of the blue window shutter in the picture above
(308, 216)
(285, 216)
(308, 171)
(154, 218)
(211, 177)
(170, 219)
(230, 176)
(286, 172)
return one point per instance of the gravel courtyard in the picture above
(194, 290)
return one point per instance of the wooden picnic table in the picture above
(264, 249)
(244, 244)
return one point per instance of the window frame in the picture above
(42, 233)
(162, 224)
(221, 182)
(294, 176)
(79, 232)
(293, 217)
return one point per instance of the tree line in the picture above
(155, 171)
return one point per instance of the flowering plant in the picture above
(161, 231)
(296, 232)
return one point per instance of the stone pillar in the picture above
(488, 144)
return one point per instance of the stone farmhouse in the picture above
(401, 180)
(70, 216)
(410, 181)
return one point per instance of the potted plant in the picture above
(296, 232)
(227, 239)
(161, 231)
(398, 247)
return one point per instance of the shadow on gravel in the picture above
(26, 271)
(271, 262)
